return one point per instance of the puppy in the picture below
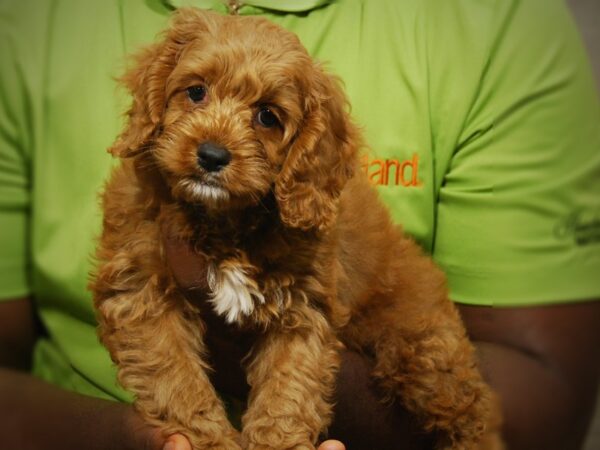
(239, 144)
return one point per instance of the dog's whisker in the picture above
(148, 163)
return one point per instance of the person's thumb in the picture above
(177, 442)
(331, 444)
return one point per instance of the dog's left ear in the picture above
(321, 159)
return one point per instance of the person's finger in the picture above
(331, 444)
(177, 442)
(188, 267)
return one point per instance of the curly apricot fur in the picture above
(298, 247)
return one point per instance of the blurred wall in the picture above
(587, 15)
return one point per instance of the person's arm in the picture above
(37, 415)
(544, 362)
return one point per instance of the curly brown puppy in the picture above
(240, 144)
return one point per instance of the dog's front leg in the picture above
(292, 375)
(156, 342)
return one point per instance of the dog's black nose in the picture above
(213, 157)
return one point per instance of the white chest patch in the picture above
(234, 294)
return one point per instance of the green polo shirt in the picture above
(481, 115)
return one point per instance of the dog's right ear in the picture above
(145, 112)
(146, 80)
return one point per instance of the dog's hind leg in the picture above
(423, 356)
(433, 371)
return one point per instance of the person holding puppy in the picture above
(488, 160)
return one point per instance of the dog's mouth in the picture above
(206, 190)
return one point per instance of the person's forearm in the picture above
(36, 415)
(543, 361)
(17, 332)
(541, 410)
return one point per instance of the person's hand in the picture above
(331, 445)
(188, 267)
(177, 442)
(139, 435)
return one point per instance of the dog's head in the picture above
(232, 108)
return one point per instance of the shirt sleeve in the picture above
(518, 215)
(14, 174)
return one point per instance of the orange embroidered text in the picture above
(386, 172)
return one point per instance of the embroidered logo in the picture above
(392, 172)
(582, 225)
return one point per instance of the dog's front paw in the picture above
(226, 441)
(301, 446)
(273, 438)
(204, 433)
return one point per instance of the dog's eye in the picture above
(266, 118)
(196, 93)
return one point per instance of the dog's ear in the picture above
(146, 80)
(321, 159)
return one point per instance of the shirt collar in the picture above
(288, 6)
